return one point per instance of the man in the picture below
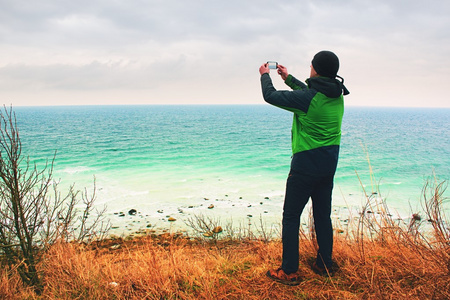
(318, 107)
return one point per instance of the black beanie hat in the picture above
(326, 63)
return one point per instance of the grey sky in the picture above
(58, 52)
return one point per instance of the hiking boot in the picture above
(323, 271)
(280, 276)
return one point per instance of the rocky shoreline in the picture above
(136, 221)
(225, 212)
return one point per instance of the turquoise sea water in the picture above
(181, 159)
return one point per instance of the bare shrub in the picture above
(33, 213)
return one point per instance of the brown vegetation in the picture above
(377, 260)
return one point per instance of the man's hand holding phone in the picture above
(282, 71)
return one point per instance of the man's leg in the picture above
(298, 191)
(321, 199)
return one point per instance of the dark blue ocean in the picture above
(178, 160)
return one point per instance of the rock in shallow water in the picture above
(208, 234)
(217, 229)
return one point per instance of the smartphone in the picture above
(272, 65)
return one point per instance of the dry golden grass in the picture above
(379, 258)
(168, 267)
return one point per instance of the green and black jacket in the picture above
(318, 107)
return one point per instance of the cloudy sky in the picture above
(61, 52)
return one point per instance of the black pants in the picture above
(299, 188)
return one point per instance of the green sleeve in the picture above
(294, 83)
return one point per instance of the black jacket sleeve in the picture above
(294, 101)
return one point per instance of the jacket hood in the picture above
(330, 87)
